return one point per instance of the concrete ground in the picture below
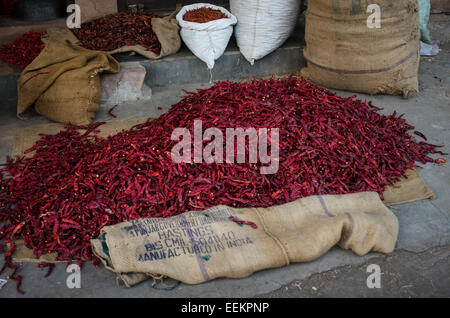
(426, 274)
(419, 266)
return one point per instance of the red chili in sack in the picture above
(203, 15)
(118, 30)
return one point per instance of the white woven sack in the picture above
(207, 40)
(263, 25)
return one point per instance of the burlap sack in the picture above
(93, 9)
(410, 189)
(63, 83)
(165, 28)
(196, 247)
(26, 137)
(342, 52)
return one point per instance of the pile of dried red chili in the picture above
(75, 183)
(23, 50)
(203, 15)
(118, 30)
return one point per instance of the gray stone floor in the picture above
(418, 267)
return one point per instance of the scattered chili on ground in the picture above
(118, 30)
(110, 111)
(75, 183)
(50, 268)
(203, 15)
(23, 50)
(418, 133)
(8, 264)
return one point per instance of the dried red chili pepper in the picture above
(75, 182)
(17, 278)
(33, 76)
(418, 133)
(50, 268)
(253, 225)
(110, 111)
(8, 264)
(118, 30)
(203, 15)
(23, 50)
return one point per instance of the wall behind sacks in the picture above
(167, 5)
(440, 6)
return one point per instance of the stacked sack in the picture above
(263, 25)
(348, 49)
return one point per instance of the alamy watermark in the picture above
(374, 20)
(374, 279)
(235, 146)
(74, 279)
(74, 19)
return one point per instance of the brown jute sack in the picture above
(93, 9)
(165, 28)
(342, 52)
(63, 83)
(195, 247)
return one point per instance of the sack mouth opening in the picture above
(231, 19)
(203, 23)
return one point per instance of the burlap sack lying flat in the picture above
(195, 247)
(342, 52)
(410, 189)
(63, 82)
(27, 137)
(406, 190)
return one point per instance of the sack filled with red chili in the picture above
(206, 30)
(203, 15)
(143, 32)
(23, 50)
(118, 30)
